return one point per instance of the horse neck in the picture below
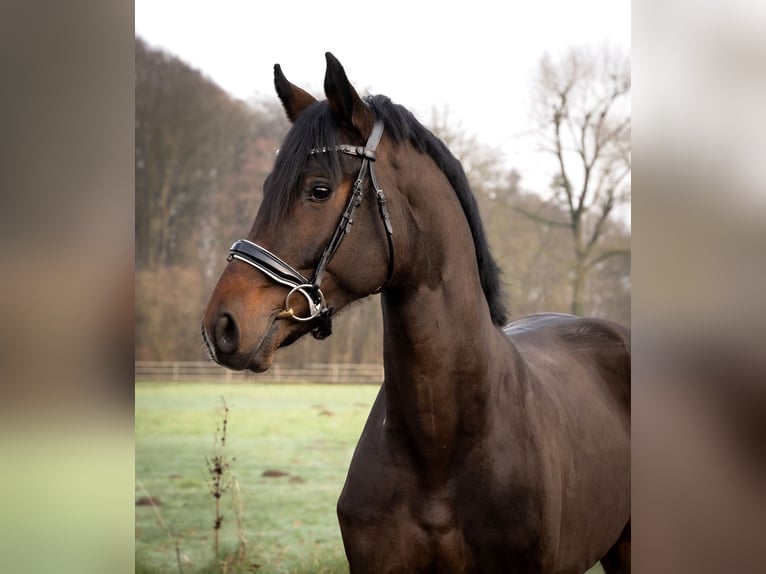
(441, 349)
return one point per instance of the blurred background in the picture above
(546, 149)
(539, 115)
(72, 208)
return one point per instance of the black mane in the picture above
(316, 127)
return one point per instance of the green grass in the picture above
(290, 525)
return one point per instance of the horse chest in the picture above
(390, 518)
(488, 540)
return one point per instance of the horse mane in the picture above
(316, 127)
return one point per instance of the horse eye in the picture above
(320, 193)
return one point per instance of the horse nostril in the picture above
(226, 334)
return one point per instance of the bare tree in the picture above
(582, 109)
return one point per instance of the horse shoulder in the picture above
(374, 507)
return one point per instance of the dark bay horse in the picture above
(489, 448)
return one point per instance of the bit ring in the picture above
(315, 308)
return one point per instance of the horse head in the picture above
(296, 267)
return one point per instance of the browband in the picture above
(356, 150)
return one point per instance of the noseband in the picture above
(284, 274)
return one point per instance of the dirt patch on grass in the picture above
(274, 473)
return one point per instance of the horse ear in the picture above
(294, 99)
(346, 105)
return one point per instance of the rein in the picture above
(282, 273)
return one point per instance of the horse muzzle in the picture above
(244, 322)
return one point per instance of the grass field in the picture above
(307, 432)
(289, 525)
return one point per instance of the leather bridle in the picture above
(281, 272)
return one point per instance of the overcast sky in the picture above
(477, 58)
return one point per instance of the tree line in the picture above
(201, 157)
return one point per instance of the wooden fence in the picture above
(206, 371)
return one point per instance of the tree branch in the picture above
(541, 219)
(606, 209)
(558, 116)
(606, 105)
(611, 135)
(609, 254)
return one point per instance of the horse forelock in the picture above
(316, 127)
